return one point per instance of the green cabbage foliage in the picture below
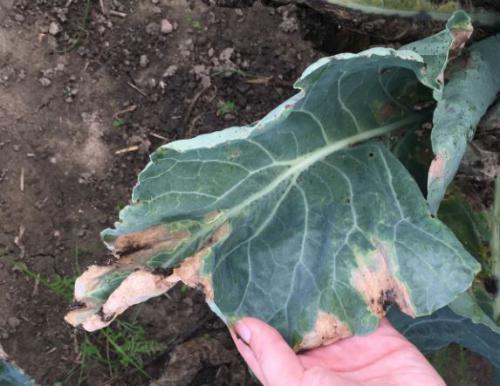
(474, 81)
(470, 319)
(304, 219)
(438, 10)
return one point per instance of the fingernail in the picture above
(243, 332)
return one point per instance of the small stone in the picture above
(19, 18)
(166, 27)
(54, 28)
(81, 233)
(153, 28)
(170, 71)
(16, 147)
(45, 82)
(13, 322)
(229, 117)
(226, 54)
(155, 1)
(144, 61)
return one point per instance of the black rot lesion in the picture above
(160, 271)
(386, 298)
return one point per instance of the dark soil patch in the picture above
(79, 84)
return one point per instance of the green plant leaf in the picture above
(300, 219)
(473, 85)
(438, 10)
(470, 227)
(11, 375)
(430, 333)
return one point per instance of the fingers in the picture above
(247, 354)
(268, 354)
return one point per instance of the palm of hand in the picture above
(383, 358)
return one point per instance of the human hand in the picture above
(383, 358)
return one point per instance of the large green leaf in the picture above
(430, 333)
(472, 87)
(470, 319)
(10, 375)
(471, 227)
(294, 220)
(438, 10)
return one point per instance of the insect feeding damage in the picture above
(375, 280)
(141, 284)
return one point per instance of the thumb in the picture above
(277, 362)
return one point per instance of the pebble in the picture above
(166, 26)
(54, 28)
(153, 28)
(13, 322)
(144, 61)
(226, 54)
(170, 71)
(19, 18)
(45, 82)
(229, 117)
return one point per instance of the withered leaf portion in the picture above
(300, 219)
(473, 84)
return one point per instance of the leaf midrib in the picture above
(300, 164)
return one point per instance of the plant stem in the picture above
(495, 244)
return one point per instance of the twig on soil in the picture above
(35, 287)
(193, 104)
(21, 181)
(68, 3)
(18, 240)
(259, 80)
(137, 89)
(103, 8)
(127, 149)
(116, 13)
(158, 136)
(124, 111)
(193, 123)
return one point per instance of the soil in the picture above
(87, 89)
(77, 88)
